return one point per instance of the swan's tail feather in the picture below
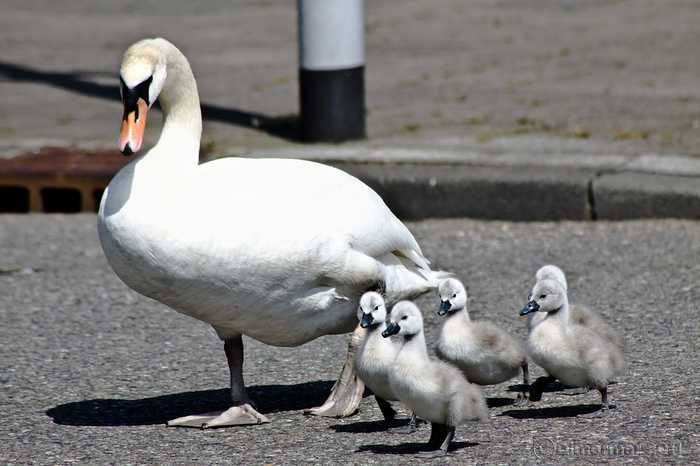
(409, 277)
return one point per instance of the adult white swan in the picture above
(279, 250)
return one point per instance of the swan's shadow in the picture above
(160, 409)
(285, 127)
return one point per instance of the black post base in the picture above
(332, 105)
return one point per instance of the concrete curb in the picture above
(419, 184)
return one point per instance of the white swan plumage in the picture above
(276, 249)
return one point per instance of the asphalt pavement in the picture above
(90, 371)
(531, 117)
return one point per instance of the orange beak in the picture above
(133, 126)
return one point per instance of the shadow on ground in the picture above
(552, 412)
(285, 127)
(160, 409)
(411, 448)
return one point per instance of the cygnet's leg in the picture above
(347, 392)
(409, 428)
(603, 411)
(604, 398)
(534, 393)
(440, 438)
(388, 412)
(522, 396)
(242, 410)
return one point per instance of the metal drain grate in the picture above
(57, 180)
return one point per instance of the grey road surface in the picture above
(90, 371)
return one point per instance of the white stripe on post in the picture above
(331, 70)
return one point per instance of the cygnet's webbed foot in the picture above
(575, 391)
(601, 413)
(432, 454)
(409, 428)
(523, 398)
(235, 416)
(347, 392)
(440, 438)
(604, 408)
(534, 392)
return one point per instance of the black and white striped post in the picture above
(331, 70)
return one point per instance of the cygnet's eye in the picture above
(376, 308)
(543, 296)
(454, 295)
(404, 318)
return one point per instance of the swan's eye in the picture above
(376, 308)
(454, 295)
(543, 296)
(404, 318)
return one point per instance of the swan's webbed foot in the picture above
(409, 428)
(347, 392)
(235, 416)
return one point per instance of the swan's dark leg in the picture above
(233, 347)
(346, 394)
(242, 410)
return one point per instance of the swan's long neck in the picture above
(182, 116)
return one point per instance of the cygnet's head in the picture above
(372, 309)
(547, 296)
(551, 272)
(405, 319)
(453, 296)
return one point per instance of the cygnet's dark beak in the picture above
(444, 307)
(392, 329)
(367, 320)
(532, 306)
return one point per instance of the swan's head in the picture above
(142, 78)
(372, 310)
(551, 272)
(405, 319)
(547, 296)
(453, 296)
